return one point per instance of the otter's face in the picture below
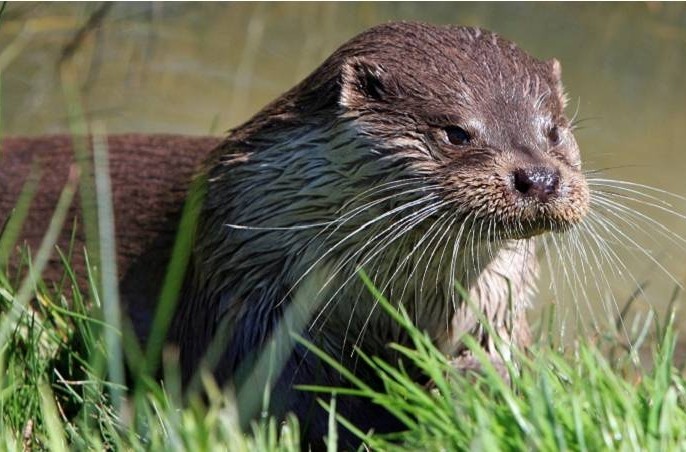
(478, 118)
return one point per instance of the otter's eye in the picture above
(554, 135)
(456, 135)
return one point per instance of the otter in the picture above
(428, 156)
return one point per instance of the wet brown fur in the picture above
(150, 175)
(392, 90)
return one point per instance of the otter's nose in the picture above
(537, 182)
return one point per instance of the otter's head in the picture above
(464, 111)
(477, 116)
(469, 112)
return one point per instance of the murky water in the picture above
(204, 68)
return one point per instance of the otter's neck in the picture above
(317, 204)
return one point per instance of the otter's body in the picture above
(429, 157)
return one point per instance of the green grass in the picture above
(54, 391)
(558, 399)
(55, 394)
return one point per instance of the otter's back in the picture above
(150, 175)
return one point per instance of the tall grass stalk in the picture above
(108, 258)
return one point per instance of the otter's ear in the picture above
(556, 70)
(363, 81)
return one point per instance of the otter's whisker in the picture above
(565, 271)
(616, 209)
(280, 228)
(615, 183)
(422, 214)
(446, 228)
(361, 228)
(609, 199)
(365, 207)
(429, 233)
(453, 260)
(383, 187)
(614, 263)
(368, 259)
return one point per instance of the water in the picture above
(204, 68)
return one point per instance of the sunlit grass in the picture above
(558, 398)
(54, 395)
